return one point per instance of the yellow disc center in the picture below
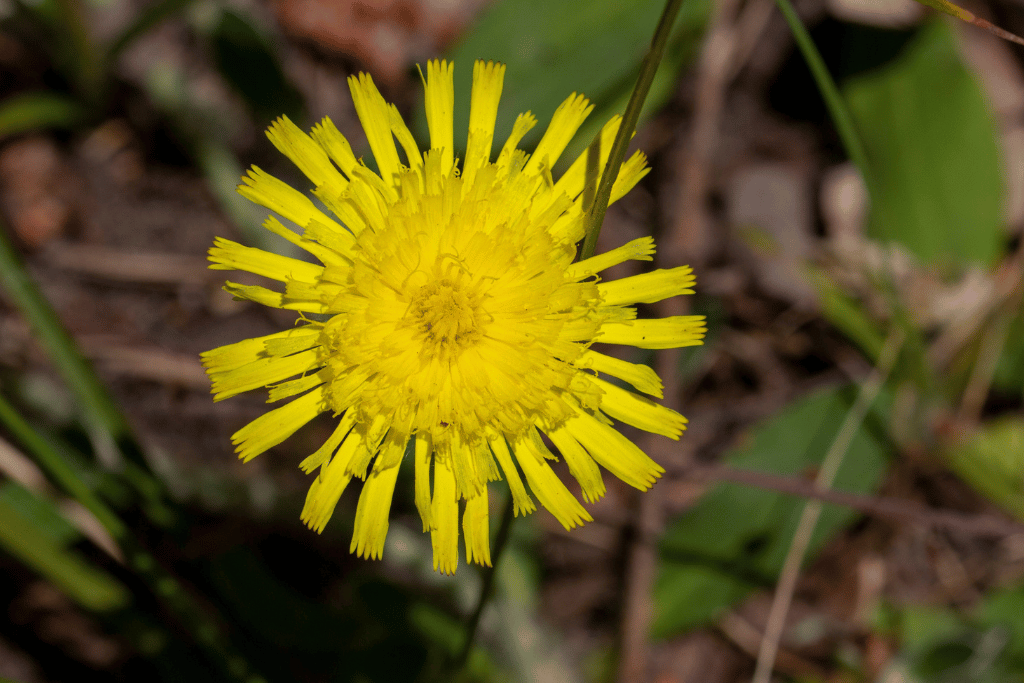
(446, 316)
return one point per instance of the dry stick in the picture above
(985, 525)
(642, 561)
(812, 509)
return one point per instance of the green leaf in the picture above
(39, 513)
(553, 48)
(736, 538)
(992, 461)
(29, 533)
(931, 144)
(247, 60)
(39, 111)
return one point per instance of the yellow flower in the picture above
(448, 321)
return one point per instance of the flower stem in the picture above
(628, 126)
(488, 585)
(830, 93)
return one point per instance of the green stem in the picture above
(628, 125)
(488, 585)
(829, 91)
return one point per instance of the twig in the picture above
(812, 509)
(877, 506)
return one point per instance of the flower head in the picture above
(448, 321)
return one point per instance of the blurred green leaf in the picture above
(32, 535)
(735, 539)
(931, 143)
(39, 513)
(942, 645)
(992, 461)
(39, 111)
(846, 313)
(247, 60)
(556, 47)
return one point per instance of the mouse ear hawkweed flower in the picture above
(448, 322)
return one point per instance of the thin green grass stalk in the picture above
(100, 410)
(812, 509)
(830, 92)
(204, 630)
(56, 465)
(628, 126)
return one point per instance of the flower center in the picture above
(446, 318)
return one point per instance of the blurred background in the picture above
(125, 126)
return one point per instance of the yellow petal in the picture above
(648, 288)
(295, 386)
(439, 101)
(266, 297)
(372, 111)
(488, 78)
(573, 181)
(281, 198)
(581, 465)
(444, 536)
(625, 406)
(630, 173)
(227, 358)
(228, 255)
(476, 530)
(405, 139)
(272, 428)
(326, 489)
(260, 373)
(661, 333)
(566, 121)
(422, 484)
(640, 249)
(334, 143)
(614, 452)
(524, 122)
(640, 376)
(522, 503)
(371, 528)
(305, 153)
(548, 488)
(324, 453)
